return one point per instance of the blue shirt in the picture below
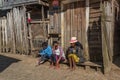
(47, 51)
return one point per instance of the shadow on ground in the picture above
(5, 62)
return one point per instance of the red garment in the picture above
(55, 3)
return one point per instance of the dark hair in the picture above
(44, 44)
(55, 42)
(79, 44)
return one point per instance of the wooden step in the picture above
(88, 64)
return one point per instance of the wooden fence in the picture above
(14, 32)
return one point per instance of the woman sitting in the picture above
(57, 56)
(74, 53)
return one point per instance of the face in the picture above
(56, 46)
(44, 47)
(72, 44)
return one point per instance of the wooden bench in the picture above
(89, 64)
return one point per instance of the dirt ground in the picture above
(20, 67)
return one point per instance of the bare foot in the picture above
(51, 66)
(57, 67)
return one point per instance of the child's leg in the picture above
(56, 62)
(38, 61)
(70, 62)
(74, 63)
(51, 65)
(52, 60)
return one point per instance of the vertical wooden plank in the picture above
(65, 19)
(10, 26)
(62, 25)
(30, 34)
(6, 37)
(3, 35)
(0, 35)
(105, 41)
(43, 19)
(21, 28)
(13, 32)
(86, 30)
(68, 34)
(25, 30)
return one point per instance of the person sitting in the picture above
(74, 53)
(57, 56)
(45, 53)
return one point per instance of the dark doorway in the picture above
(94, 34)
(116, 55)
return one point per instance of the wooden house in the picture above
(94, 22)
(23, 25)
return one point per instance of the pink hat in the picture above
(73, 40)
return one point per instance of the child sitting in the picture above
(57, 56)
(45, 53)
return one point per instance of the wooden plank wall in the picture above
(55, 22)
(14, 32)
(94, 32)
(74, 22)
(37, 35)
(55, 19)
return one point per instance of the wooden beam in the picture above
(43, 3)
(70, 1)
(0, 35)
(87, 25)
(34, 22)
(105, 42)
(43, 19)
(62, 27)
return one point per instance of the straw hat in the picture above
(73, 40)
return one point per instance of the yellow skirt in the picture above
(74, 57)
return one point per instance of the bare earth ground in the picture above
(20, 67)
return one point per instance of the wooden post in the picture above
(25, 29)
(30, 34)
(3, 34)
(105, 42)
(86, 31)
(62, 25)
(43, 19)
(0, 35)
(13, 32)
(6, 37)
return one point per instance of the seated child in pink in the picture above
(57, 55)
